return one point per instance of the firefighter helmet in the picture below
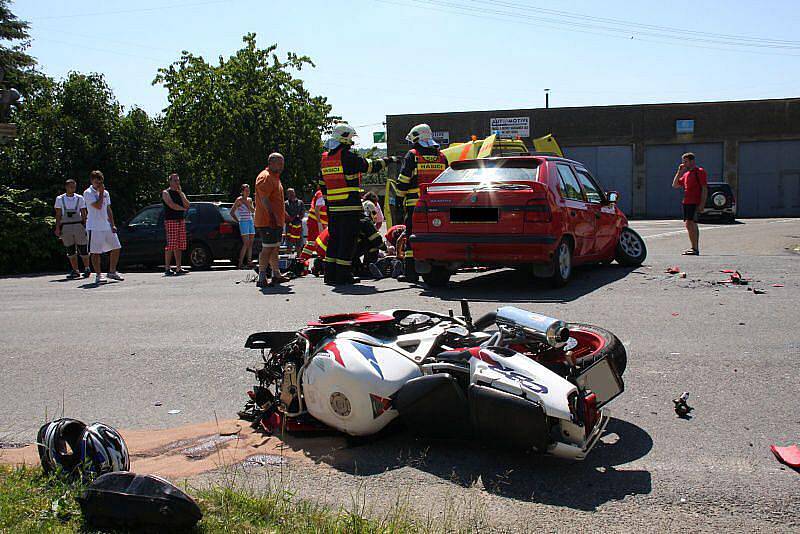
(343, 133)
(421, 134)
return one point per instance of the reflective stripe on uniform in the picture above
(338, 209)
(343, 262)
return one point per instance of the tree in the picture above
(15, 62)
(227, 118)
(71, 127)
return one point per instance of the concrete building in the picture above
(753, 145)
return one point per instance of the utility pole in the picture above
(547, 98)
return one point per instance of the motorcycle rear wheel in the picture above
(595, 343)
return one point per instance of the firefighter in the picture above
(317, 216)
(421, 165)
(340, 182)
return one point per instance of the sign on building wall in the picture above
(443, 138)
(510, 126)
(684, 126)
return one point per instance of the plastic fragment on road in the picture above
(673, 269)
(777, 285)
(727, 271)
(682, 275)
(675, 314)
(787, 455)
(174, 412)
(682, 409)
(757, 291)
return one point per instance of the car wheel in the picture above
(631, 250)
(437, 277)
(562, 264)
(200, 257)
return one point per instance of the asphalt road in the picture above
(112, 352)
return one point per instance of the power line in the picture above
(632, 24)
(596, 29)
(127, 11)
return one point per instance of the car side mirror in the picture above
(612, 197)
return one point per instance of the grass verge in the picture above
(33, 502)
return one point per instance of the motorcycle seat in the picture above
(357, 318)
(269, 340)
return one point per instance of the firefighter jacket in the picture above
(421, 165)
(340, 178)
(323, 210)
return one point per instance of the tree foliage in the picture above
(71, 127)
(14, 41)
(28, 243)
(227, 118)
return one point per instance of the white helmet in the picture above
(422, 134)
(342, 134)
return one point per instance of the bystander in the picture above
(100, 228)
(270, 217)
(71, 228)
(242, 212)
(694, 181)
(175, 206)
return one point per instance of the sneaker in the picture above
(181, 271)
(375, 271)
(87, 272)
(280, 278)
(73, 275)
(168, 272)
(98, 278)
(114, 275)
(262, 280)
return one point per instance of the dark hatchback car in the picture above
(720, 203)
(211, 234)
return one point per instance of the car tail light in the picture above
(590, 413)
(537, 210)
(419, 219)
(226, 228)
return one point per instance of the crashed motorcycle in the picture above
(512, 377)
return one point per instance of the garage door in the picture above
(769, 179)
(661, 162)
(611, 165)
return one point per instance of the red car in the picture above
(544, 211)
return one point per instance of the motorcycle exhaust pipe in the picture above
(554, 332)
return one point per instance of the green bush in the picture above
(28, 243)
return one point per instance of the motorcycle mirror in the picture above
(466, 313)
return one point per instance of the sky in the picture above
(385, 57)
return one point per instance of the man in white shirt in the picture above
(71, 228)
(100, 227)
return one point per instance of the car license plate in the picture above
(474, 215)
(602, 380)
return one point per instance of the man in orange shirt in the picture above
(269, 219)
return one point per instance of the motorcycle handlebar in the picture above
(485, 321)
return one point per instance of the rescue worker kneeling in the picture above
(340, 182)
(369, 242)
(421, 165)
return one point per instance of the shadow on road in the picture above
(510, 285)
(525, 477)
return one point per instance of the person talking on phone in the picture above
(694, 181)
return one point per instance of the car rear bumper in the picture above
(483, 248)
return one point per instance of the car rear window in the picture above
(488, 175)
(225, 211)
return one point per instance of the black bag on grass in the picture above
(125, 499)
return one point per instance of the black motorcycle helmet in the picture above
(59, 444)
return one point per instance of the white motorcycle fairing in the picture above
(347, 384)
(517, 374)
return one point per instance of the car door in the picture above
(604, 213)
(138, 237)
(580, 217)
